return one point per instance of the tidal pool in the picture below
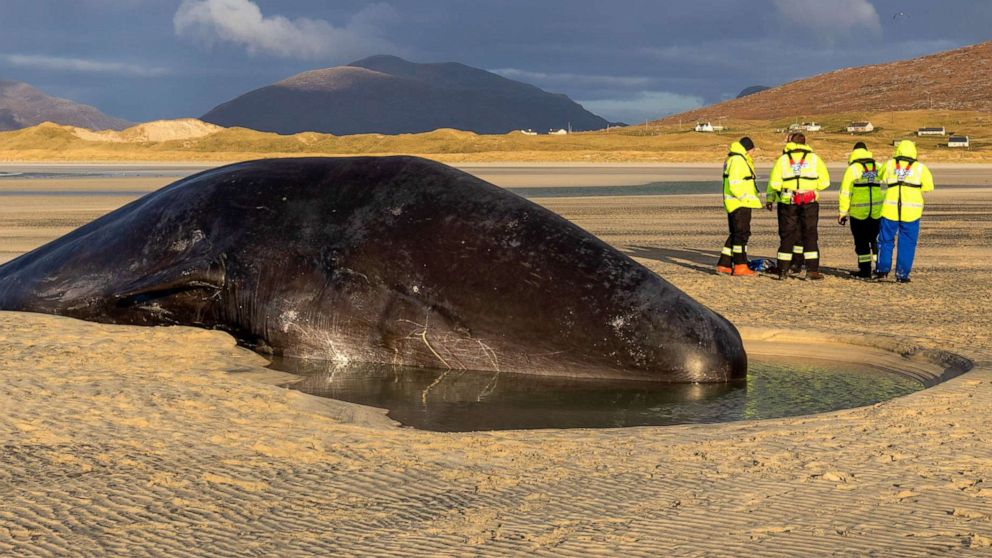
(459, 401)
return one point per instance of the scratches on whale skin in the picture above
(323, 343)
(422, 335)
(489, 354)
(427, 343)
(454, 350)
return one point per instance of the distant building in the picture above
(860, 127)
(704, 127)
(528, 132)
(931, 131)
(559, 132)
(805, 127)
(958, 141)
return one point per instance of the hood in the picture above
(906, 148)
(858, 154)
(737, 148)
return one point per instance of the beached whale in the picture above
(377, 259)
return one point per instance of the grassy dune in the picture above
(669, 142)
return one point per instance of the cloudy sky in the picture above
(627, 60)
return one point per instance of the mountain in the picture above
(752, 90)
(957, 79)
(22, 105)
(389, 95)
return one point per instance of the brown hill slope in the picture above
(959, 79)
(22, 106)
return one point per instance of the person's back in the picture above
(798, 169)
(795, 181)
(905, 179)
(860, 200)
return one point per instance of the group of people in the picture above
(881, 202)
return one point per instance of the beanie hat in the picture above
(860, 145)
(747, 143)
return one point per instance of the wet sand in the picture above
(163, 441)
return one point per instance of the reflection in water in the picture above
(454, 400)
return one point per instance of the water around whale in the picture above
(451, 400)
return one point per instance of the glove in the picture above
(768, 206)
(842, 220)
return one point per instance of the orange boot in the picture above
(722, 269)
(743, 270)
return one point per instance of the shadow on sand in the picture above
(704, 261)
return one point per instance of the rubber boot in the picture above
(721, 269)
(743, 270)
(864, 270)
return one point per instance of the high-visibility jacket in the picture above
(860, 192)
(798, 169)
(905, 179)
(739, 189)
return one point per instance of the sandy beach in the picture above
(174, 441)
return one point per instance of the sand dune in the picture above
(161, 441)
(158, 130)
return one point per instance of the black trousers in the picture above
(797, 226)
(865, 233)
(735, 249)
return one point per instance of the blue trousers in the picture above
(908, 234)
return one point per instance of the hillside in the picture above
(389, 95)
(22, 106)
(959, 80)
(192, 140)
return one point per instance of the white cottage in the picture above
(958, 141)
(860, 127)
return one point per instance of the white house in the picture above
(931, 131)
(704, 127)
(559, 132)
(958, 141)
(805, 127)
(528, 132)
(860, 127)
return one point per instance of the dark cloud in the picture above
(628, 59)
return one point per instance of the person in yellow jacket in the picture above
(860, 200)
(797, 249)
(905, 179)
(794, 183)
(740, 196)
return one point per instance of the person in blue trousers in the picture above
(905, 180)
